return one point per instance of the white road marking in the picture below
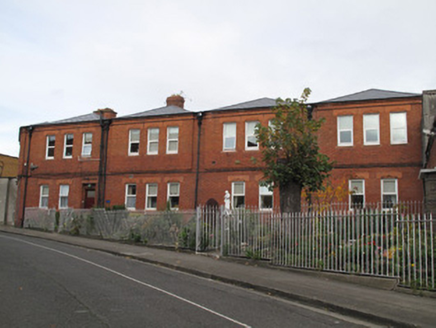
(134, 280)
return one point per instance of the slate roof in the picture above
(371, 94)
(258, 103)
(76, 119)
(167, 110)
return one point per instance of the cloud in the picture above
(65, 58)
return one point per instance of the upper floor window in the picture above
(151, 196)
(371, 129)
(345, 130)
(64, 190)
(172, 140)
(265, 198)
(87, 144)
(134, 142)
(174, 194)
(43, 196)
(49, 154)
(357, 194)
(398, 122)
(389, 190)
(250, 136)
(229, 136)
(153, 141)
(68, 145)
(131, 197)
(238, 194)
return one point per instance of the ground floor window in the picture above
(238, 194)
(265, 198)
(43, 196)
(174, 195)
(151, 196)
(389, 190)
(64, 190)
(357, 194)
(131, 196)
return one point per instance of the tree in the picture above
(290, 152)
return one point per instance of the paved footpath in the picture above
(373, 299)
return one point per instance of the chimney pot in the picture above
(176, 100)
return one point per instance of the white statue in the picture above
(227, 200)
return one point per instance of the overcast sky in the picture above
(60, 59)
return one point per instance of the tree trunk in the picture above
(290, 197)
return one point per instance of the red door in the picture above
(89, 198)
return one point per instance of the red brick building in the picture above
(375, 139)
(186, 158)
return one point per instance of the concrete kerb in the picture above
(383, 283)
(311, 301)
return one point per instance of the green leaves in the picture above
(290, 148)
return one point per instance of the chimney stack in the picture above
(107, 113)
(176, 100)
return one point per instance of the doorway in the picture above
(89, 196)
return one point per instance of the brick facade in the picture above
(382, 160)
(126, 161)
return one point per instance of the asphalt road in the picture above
(49, 284)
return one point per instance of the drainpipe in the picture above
(104, 124)
(26, 176)
(5, 221)
(108, 123)
(197, 171)
(309, 109)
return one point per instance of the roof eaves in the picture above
(77, 119)
(368, 95)
(162, 111)
(253, 104)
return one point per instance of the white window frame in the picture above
(68, 146)
(86, 145)
(340, 143)
(172, 140)
(251, 135)
(132, 142)
(48, 146)
(393, 128)
(43, 196)
(169, 195)
(130, 196)
(264, 192)
(64, 191)
(152, 141)
(236, 194)
(352, 192)
(383, 192)
(366, 128)
(228, 135)
(148, 196)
